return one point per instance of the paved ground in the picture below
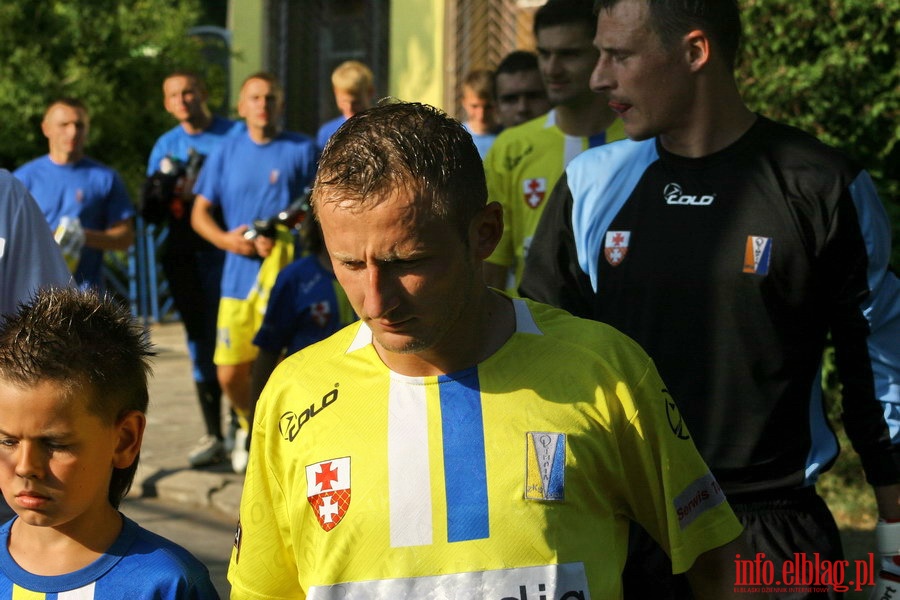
(174, 425)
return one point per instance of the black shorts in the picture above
(777, 524)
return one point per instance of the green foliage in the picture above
(830, 67)
(111, 54)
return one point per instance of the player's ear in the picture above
(130, 430)
(697, 49)
(486, 229)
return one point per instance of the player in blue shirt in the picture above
(250, 177)
(193, 266)
(66, 183)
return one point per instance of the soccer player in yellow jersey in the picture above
(525, 162)
(456, 442)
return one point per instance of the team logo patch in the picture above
(535, 190)
(328, 490)
(320, 313)
(616, 246)
(757, 254)
(545, 465)
(274, 174)
(79, 196)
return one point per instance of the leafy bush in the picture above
(112, 54)
(830, 67)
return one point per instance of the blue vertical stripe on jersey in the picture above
(823, 446)
(882, 307)
(465, 473)
(597, 204)
(597, 140)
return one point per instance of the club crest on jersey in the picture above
(328, 490)
(616, 246)
(320, 313)
(757, 255)
(545, 465)
(534, 190)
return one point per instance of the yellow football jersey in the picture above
(521, 168)
(515, 478)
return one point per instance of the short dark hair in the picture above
(671, 19)
(80, 342)
(69, 101)
(406, 144)
(566, 12)
(269, 78)
(516, 62)
(198, 79)
(480, 82)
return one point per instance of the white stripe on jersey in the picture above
(410, 500)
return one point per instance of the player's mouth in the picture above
(31, 500)
(393, 326)
(620, 108)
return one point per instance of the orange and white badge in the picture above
(534, 191)
(616, 246)
(328, 490)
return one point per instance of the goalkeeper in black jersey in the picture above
(730, 247)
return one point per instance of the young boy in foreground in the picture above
(73, 393)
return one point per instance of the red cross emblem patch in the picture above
(616, 246)
(535, 190)
(320, 312)
(328, 490)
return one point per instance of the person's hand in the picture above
(264, 245)
(887, 536)
(238, 244)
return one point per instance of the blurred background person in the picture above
(354, 91)
(477, 99)
(193, 266)
(81, 198)
(519, 89)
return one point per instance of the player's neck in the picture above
(198, 124)
(72, 547)
(65, 158)
(585, 117)
(262, 135)
(488, 325)
(711, 128)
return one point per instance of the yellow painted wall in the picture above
(416, 51)
(416, 63)
(246, 20)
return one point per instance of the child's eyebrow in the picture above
(47, 435)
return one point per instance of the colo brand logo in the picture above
(674, 195)
(290, 423)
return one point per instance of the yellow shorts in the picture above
(240, 319)
(238, 322)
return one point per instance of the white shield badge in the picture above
(328, 490)
(616, 246)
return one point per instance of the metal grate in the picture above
(479, 34)
(307, 39)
